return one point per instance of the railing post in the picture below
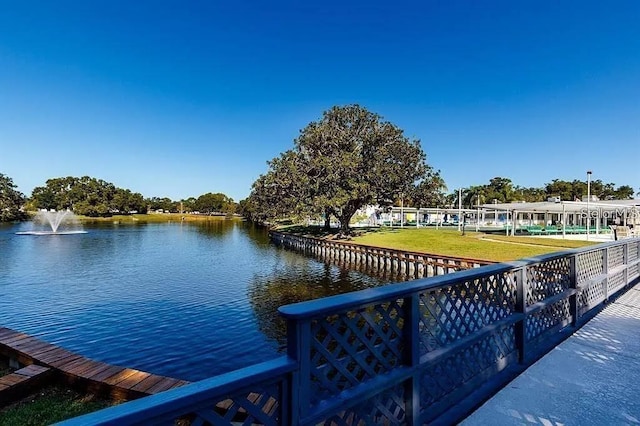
(573, 283)
(625, 262)
(411, 356)
(605, 272)
(519, 275)
(299, 348)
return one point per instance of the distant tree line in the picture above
(206, 203)
(85, 196)
(502, 190)
(93, 197)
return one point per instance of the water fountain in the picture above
(55, 223)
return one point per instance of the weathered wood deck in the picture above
(118, 383)
(20, 383)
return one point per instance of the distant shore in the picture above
(159, 218)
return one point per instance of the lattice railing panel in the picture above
(452, 312)
(455, 370)
(262, 406)
(615, 256)
(352, 347)
(547, 279)
(615, 282)
(589, 265)
(546, 318)
(386, 408)
(633, 272)
(590, 296)
(633, 251)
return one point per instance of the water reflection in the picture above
(297, 279)
(217, 228)
(188, 300)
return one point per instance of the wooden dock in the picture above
(114, 382)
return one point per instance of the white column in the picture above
(459, 209)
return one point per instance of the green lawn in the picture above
(50, 405)
(541, 241)
(450, 242)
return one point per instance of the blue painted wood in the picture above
(191, 398)
(411, 357)
(354, 300)
(440, 354)
(407, 353)
(522, 289)
(573, 299)
(531, 309)
(360, 394)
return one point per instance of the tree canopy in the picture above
(212, 203)
(86, 196)
(11, 200)
(348, 159)
(502, 190)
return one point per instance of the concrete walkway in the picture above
(592, 378)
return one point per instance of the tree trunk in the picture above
(327, 219)
(345, 218)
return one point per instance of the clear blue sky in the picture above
(181, 98)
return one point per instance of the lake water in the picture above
(188, 301)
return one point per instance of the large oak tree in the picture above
(11, 200)
(349, 158)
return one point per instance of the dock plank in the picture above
(4, 332)
(36, 346)
(41, 356)
(22, 343)
(79, 364)
(40, 352)
(54, 355)
(91, 372)
(100, 377)
(81, 371)
(133, 379)
(146, 384)
(12, 340)
(120, 376)
(22, 382)
(12, 379)
(165, 384)
(60, 363)
(32, 370)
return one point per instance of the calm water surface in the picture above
(184, 300)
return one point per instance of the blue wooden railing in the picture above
(426, 351)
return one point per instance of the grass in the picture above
(50, 405)
(548, 242)
(449, 242)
